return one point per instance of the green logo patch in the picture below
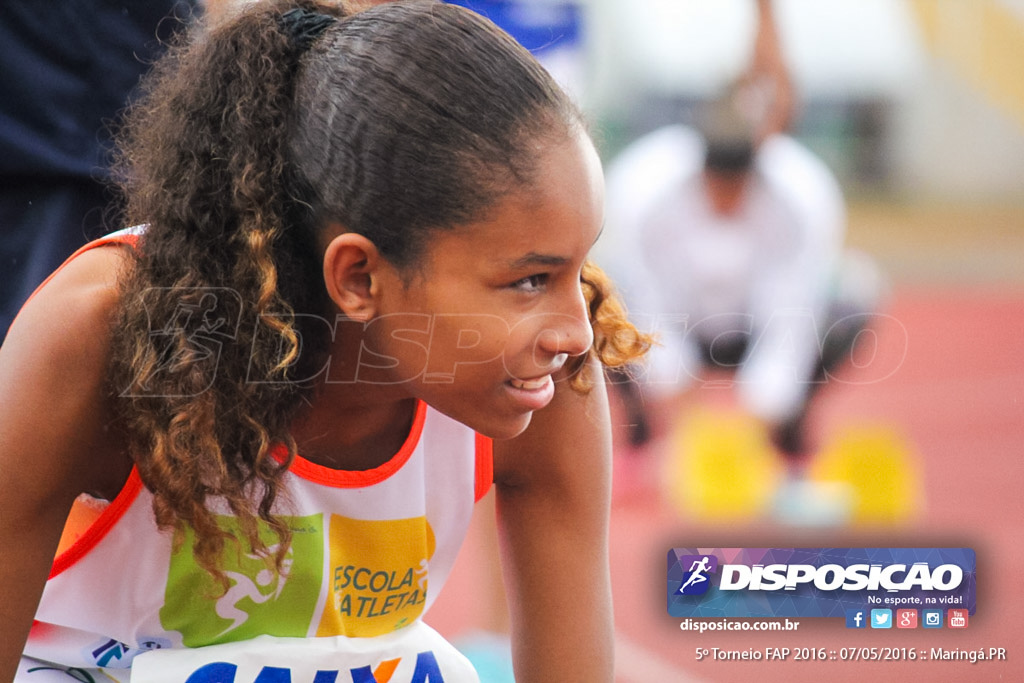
(257, 601)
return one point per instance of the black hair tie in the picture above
(304, 26)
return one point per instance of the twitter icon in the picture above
(881, 618)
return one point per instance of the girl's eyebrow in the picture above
(534, 259)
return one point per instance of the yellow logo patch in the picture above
(378, 575)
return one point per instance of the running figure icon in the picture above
(228, 606)
(697, 573)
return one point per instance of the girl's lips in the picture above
(532, 394)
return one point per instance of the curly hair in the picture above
(395, 121)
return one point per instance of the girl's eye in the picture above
(533, 283)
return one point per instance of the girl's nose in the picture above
(568, 332)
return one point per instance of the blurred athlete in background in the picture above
(727, 237)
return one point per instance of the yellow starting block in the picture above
(881, 470)
(723, 467)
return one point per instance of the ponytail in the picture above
(210, 356)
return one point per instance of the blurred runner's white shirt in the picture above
(691, 274)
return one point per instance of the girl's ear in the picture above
(351, 263)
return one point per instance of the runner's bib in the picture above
(416, 654)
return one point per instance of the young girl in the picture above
(243, 440)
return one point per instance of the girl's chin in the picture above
(495, 417)
(500, 430)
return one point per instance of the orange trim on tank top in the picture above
(484, 465)
(130, 239)
(98, 529)
(349, 479)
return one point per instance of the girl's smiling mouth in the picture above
(532, 394)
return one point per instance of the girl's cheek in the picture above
(465, 340)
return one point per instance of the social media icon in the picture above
(856, 618)
(958, 618)
(906, 618)
(881, 618)
(931, 618)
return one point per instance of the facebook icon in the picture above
(856, 618)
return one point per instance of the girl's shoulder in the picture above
(53, 369)
(76, 304)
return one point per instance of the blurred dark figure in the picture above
(66, 70)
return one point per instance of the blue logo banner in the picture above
(817, 582)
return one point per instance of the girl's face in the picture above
(483, 323)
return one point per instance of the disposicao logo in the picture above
(763, 582)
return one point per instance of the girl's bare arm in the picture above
(55, 433)
(553, 487)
